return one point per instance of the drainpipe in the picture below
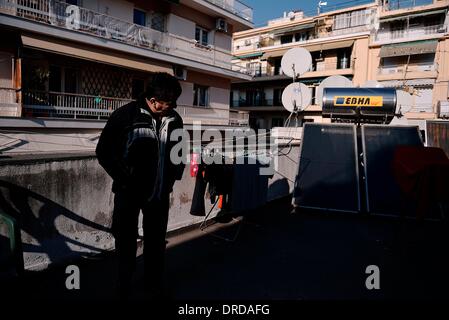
(18, 81)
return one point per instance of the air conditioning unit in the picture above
(221, 25)
(321, 22)
(443, 109)
(180, 73)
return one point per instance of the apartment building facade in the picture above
(85, 58)
(409, 51)
(356, 42)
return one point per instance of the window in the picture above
(286, 39)
(138, 86)
(54, 81)
(200, 96)
(201, 36)
(139, 17)
(63, 79)
(341, 21)
(277, 66)
(277, 122)
(343, 58)
(302, 36)
(277, 97)
(255, 68)
(70, 80)
(351, 19)
(74, 2)
(157, 22)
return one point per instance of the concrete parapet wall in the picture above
(64, 204)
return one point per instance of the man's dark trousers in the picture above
(125, 230)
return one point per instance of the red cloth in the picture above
(422, 173)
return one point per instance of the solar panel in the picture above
(328, 175)
(383, 195)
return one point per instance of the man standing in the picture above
(134, 149)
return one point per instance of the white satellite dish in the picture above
(296, 97)
(372, 84)
(331, 82)
(296, 62)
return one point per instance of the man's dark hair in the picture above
(163, 86)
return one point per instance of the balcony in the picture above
(77, 106)
(235, 7)
(69, 105)
(413, 33)
(320, 68)
(404, 4)
(257, 103)
(213, 116)
(422, 108)
(411, 68)
(340, 32)
(82, 20)
(312, 40)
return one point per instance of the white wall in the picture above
(186, 97)
(180, 26)
(223, 41)
(219, 98)
(6, 69)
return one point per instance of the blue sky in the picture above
(265, 10)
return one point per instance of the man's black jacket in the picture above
(134, 149)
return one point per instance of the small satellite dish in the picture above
(331, 82)
(296, 62)
(372, 84)
(296, 97)
(404, 102)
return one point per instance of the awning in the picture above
(293, 29)
(401, 83)
(408, 48)
(312, 48)
(251, 55)
(405, 16)
(330, 46)
(93, 54)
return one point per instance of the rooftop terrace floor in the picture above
(279, 255)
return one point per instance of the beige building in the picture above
(84, 58)
(409, 51)
(359, 43)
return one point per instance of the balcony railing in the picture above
(262, 44)
(240, 118)
(410, 68)
(410, 33)
(77, 106)
(316, 67)
(404, 4)
(69, 105)
(349, 30)
(257, 103)
(235, 7)
(214, 116)
(63, 15)
(419, 108)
